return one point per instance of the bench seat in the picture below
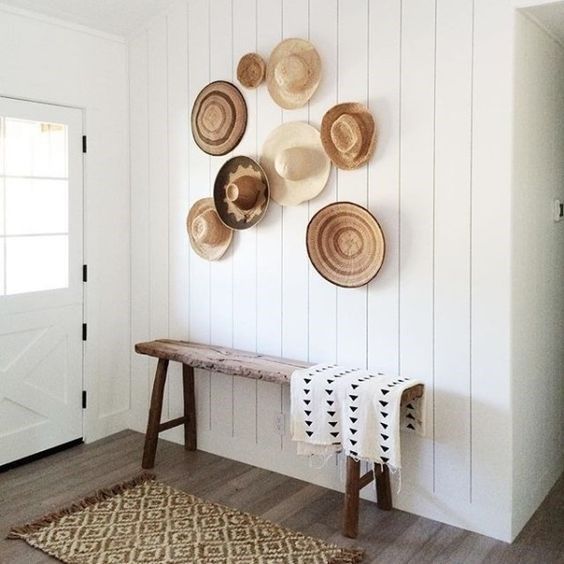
(234, 362)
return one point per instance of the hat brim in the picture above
(208, 252)
(367, 127)
(240, 165)
(338, 221)
(293, 46)
(234, 131)
(294, 192)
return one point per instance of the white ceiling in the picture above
(118, 17)
(123, 17)
(551, 17)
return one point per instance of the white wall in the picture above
(538, 269)
(437, 76)
(46, 61)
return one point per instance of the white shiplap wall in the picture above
(438, 311)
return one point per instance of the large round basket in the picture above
(345, 244)
(219, 118)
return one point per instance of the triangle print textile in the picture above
(359, 412)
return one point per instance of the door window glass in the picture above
(34, 206)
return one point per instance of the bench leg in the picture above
(352, 493)
(190, 440)
(383, 487)
(152, 435)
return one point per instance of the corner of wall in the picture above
(537, 300)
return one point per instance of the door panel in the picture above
(41, 375)
(41, 289)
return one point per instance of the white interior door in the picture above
(41, 288)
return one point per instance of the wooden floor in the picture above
(392, 537)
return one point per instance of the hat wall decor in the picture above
(293, 73)
(241, 193)
(209, 237)
(348, 134)
(251, 70)
(295, 163)
(219, 118)
(345, 244)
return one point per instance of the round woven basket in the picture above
(251, 70)
(345, 244)
(219, 118)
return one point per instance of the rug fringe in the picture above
(20, 532)
(348, 556)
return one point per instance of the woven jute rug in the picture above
(144, 521)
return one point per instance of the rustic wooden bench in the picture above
(249, 365)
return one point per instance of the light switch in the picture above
(558, 211)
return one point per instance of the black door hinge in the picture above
(84, 399)
(85, 273)
(84, 144)
(84, 331)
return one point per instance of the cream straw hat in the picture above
(293, 73)
(295, 163)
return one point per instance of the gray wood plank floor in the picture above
(392, 537)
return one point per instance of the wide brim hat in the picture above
(348, 134)
(293, 73)
(295, 163)
(241, 193)
(251, 70)
(345, 244)
(219, 118)
(209, 237)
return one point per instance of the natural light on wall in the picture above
(34, 218)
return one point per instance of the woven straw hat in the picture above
(219, 118)
(208, 236)
(348, 135)
(251, 70)
(345, 244)
(293, 73)
(241, 193)
(295, 163)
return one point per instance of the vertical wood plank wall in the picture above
(414, 63)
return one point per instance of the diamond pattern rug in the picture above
(146, 522)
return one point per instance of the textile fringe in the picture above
(348, 556)
(22, 531)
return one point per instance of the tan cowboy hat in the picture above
(348, 135)
(251, 70)
(293, 73)
(208, 236)
(241, 193)
(219, 118)
(345, 244)
(295, 163)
